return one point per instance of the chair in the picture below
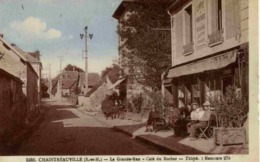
(207, 132)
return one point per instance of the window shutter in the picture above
(214, 15)
(179, 33)
(187, 28)
(232, 18)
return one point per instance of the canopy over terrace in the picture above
(212, 63)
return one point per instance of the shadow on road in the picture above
(65, 131)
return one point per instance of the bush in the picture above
(232, 107)
(157, 100)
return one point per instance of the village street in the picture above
(66, 131)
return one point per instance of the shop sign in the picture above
(212, 63)
(200, 21)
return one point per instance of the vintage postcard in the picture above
(129, 80)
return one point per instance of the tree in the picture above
(70, 67)
(147, 41)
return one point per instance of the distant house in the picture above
(37, 65)
(107, 85)
(93, 78)
(71, 84)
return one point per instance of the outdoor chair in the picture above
(207, 132)
(160, 124)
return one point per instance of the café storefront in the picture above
(200, 79)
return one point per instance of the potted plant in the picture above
(232, 110)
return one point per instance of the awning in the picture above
(213, 63)
(116, 83)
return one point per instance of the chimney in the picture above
(35, 54)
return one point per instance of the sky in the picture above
(54, 26)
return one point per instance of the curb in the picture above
(123, 131)
(163, 148)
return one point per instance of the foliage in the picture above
(232, 107)
(70, 67)
(146, 47)
(112, 71)
(157, 101)
(137, 101)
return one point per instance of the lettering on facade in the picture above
(200, 21)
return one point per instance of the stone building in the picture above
(30, 77)
(12, 103)
(35, 61)
(15, 62)
(71, 84)
(209, 49)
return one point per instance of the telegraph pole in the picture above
(61, 58)
(86, 35)
(50, 81)
(86, 59)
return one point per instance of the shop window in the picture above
(216, 36)
(181, 96)
(214, 84)
(226, 81)
(188, 34)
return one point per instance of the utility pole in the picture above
(59, 86)
(61, 58)
(86, 57)
(50, 81)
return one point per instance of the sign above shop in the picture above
(212, 63)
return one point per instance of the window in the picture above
(216, 24)
(188, 24)
(188, 34)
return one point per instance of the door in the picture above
(226, 81)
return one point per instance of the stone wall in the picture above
(13, 108)
(32, 88)
(93, 103)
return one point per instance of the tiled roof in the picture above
(26, 55)
(93, 78)
(35, 54)
(113, 75)
(69, 83)
(69, 75)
